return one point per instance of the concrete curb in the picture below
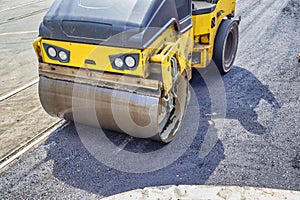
(201, 192)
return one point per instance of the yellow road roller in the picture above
(125, 65)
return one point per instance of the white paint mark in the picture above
(123, 145)
(18, 33)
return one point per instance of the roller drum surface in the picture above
(134, 114)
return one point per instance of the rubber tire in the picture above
(226, 44)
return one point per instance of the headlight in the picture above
(125, 61)
(52, 52)
(130, 61)
(63, 55)
(118, 62)
(57, 53)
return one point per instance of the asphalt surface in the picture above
(259, 144)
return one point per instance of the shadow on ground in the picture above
(75, 166)
(244, 92)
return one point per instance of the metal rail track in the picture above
(31, 143)
(18, 90)
(24, 16)
(16, 18)
(22, 5)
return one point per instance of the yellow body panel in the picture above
(37, 48)
(202, 25)
(164, 57)
(179, 49)
(100, 54)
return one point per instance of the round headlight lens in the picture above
(130, 61)
(52, 52)
(63, 55)
(118, 62)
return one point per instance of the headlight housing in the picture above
(52, 52)
(57, 53)
(124, 61)
(130, 61)
(63, 55)
(118, 62)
